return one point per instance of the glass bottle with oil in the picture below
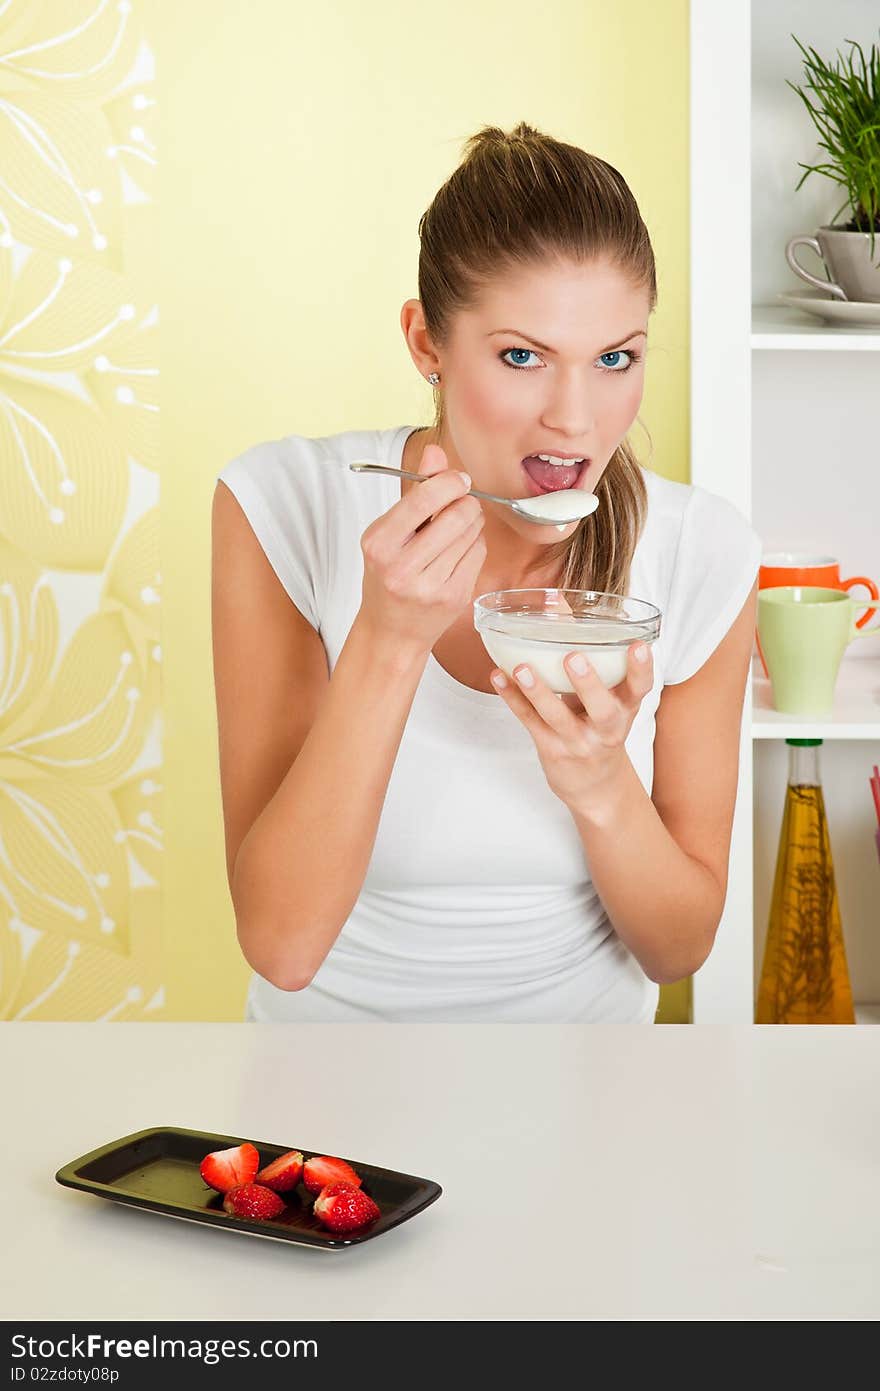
(804, 976)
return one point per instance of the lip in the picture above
(535, 490)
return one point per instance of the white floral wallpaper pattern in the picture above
(80, 577)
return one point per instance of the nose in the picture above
(570, 416)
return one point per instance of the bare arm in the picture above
(305, 758)
(302, 864)
(660, 863)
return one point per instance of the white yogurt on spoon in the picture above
(571, 503)
(556, 497)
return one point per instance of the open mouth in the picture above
(545, 477)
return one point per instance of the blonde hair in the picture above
(518, 200)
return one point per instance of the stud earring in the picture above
(433, 379)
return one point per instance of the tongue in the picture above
(551, 477)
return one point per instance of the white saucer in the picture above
(834, 311)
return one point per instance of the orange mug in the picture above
(797, 567)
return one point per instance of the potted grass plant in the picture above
(846, 112)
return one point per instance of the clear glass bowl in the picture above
(540, 626)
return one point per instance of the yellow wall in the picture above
(298, 146)
(302, 145)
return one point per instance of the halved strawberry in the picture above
(343, 1207)
(323, 1169)
(253, 1200)
(225, 1169)
(283, 1173)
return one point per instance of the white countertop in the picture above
(613, 1172)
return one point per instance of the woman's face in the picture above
(506, 398)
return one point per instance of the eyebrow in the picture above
(543, 346)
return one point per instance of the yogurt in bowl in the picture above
(541, 626)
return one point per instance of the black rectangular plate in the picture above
(158, 1169)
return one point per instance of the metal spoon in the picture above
(526, 507)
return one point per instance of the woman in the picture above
(408, 837)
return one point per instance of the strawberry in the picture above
(225, 1169)
(283, 1173)
(342, 1207)
(252, 1200)
(321, 1170)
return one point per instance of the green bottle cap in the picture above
(802, 742)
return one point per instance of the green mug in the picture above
(804, 632)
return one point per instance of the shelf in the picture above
(855, 715)
(865, 1014)
(783, 326)
(868, 1014)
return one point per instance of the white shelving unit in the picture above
(779, 326)
(791, 440)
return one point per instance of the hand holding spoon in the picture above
(558, 508)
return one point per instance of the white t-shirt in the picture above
(478, 904)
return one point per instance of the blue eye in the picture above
(616, 353)
(527, 351)
(630, 353)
